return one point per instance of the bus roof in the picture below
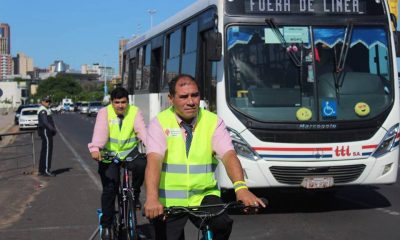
(170, 22)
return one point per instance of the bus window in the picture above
(364, 76)
(156, 66)
(139, 69)
(125, 71)
(270, 78)
(146, 68)
(173, 56)
(190, 49)
(131, 78)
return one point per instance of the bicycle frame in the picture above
(127, 196)
(125, 221)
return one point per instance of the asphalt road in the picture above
(354, 212)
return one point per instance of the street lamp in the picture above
(151, 12)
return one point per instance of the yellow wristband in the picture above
(241, 187)
(239, 183)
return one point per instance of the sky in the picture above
(79, 31)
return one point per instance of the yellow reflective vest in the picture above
(121, 141)
(186, 180)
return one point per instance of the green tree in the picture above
(59, 88)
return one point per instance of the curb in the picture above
(6, 128)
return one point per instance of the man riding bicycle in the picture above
(117, 130)
(181, 142)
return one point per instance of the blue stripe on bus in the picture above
(367, 153)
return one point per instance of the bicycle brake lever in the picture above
(265, 201)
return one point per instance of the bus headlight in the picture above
(388, 142)
(242, 148)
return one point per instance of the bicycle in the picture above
(125, 219)
(206, 216)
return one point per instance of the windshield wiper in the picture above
(340, 64)
(283, 42)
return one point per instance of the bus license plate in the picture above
(317, 182)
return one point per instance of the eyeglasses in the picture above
(47, 101)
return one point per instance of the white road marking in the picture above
(46, 228)
(382, 210)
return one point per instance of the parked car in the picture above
(77, 105)
(55, 108)
(28, 118)
(18, 112)
(72, 107)
(84, 107)
(94, 108)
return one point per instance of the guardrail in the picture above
(22, 157)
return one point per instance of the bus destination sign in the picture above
(320, 7)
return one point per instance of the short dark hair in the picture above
(119, 93)
(172, 83)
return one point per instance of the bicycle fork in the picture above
(207, 233)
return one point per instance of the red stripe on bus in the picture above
(369, 146)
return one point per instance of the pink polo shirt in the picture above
(157, 141)
(101, 134)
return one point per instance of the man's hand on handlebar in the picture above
(96, 156)
(153, 208)
(249, 199)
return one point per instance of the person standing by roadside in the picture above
(46, 131)
(118, 128)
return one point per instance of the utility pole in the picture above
(105, 77)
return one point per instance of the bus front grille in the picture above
(295, 175)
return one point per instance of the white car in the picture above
(28, 118)
(84, 108)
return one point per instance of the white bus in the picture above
(307, 88)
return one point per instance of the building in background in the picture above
(106, 73)
(102, 71)
(58, 66)
(5, 39)
(122, 44)
(22, 65)
(6, 64)
(90, 69)
(39, 73)
(14, 94)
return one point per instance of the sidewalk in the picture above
(6, 120)
(33, 207)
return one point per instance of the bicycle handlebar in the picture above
(200, 211)
(112, 157)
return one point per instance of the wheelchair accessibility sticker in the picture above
(329, 109)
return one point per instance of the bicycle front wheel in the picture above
(130, 220)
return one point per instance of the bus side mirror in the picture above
(214, 46)
(397, 42)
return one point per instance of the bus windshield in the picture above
(307, 73)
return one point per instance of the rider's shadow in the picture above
(61, 171)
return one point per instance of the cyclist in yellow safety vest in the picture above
(118, 128)
(181, 142)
